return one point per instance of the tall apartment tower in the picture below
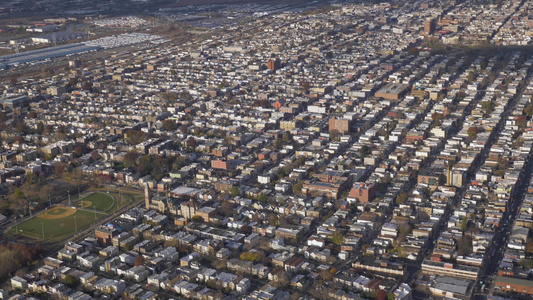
(429, 26)
(273, 64)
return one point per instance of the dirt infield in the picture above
(57, 213)
(84, 204)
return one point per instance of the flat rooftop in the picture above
(42, 54)
(393, 88)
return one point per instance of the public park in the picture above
(61, 221)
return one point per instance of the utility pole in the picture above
(69, 198)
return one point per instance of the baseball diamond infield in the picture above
(57, 213)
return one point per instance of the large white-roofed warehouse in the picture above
(46, 53)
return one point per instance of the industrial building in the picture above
(16, 59)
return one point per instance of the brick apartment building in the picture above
(341, 125)
(221, 164)
(517, 285)
(364, 192)
(104, 235)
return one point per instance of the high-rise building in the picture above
(429, 26)
(273, 64)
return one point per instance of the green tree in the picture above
(297, 187)
(134, 137)
(464, 224)
(278, 144)
(472, 132)
(234, 192)
(337, 238)
(227, 208)
(95, 155)
(169, 125)
(404, 230)
(326, 275)
(253, 256)
(21, 127)
(197, 219)
(145, 165)
(59, 168)
(402, 198)
(30, 178)
(79, 150)
(487, 105)
(529, 111)
(262, 197)
(437, 117)
(364, 151)
(19, 193)
(334, 134)
(130, 159)
(423, 216)
(471, 76)
(521, 122)
(71, 281)
(40, 127)
(158, 168)
(526, 263)
(179, 163)
(465, 246)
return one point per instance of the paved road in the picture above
(495, 252)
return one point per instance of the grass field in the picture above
(60, 222)
(98, 201)
(56, 229)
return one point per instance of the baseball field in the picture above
(98, 201)
(61, 222)
(57, 223)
